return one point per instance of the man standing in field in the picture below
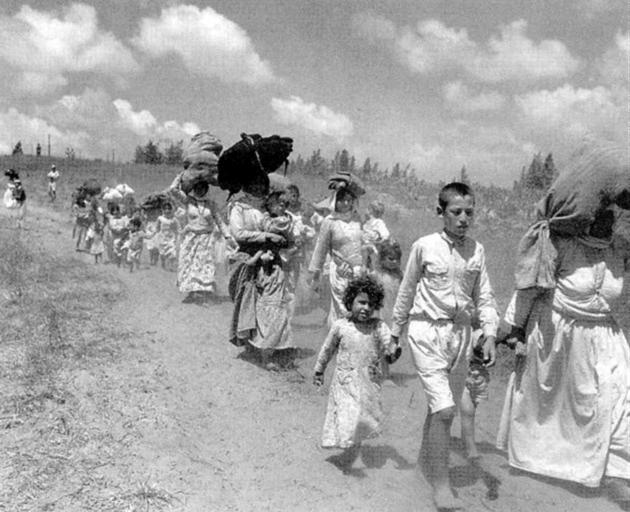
(53, 176)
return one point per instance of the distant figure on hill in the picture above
(53, 176)
(15, 197)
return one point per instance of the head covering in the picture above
(203, 147)
(596, 174)
(11, 174)
(53, 166)
(348, 181)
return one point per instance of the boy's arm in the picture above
(485, 303)
(484, 300)
(407, 290)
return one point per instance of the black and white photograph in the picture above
(314, 256)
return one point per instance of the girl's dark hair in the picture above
(364, 284)
(135, 222)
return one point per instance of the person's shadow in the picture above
(375, 457)
(475, 469)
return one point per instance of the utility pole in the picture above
(49, 145)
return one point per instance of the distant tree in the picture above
(534, 178)
(138, 157)
(366, 170)
(344, 161)
(149, 154)
(549, 172)
(17, 149)
(174, 153)
(463, 176)
(396, 171)
(38, 149)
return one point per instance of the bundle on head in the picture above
(12, 174)
(251, 159)
(348, 181)
(91, 187)
(154, 202)
(201, 158)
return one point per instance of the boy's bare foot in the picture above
(445, 499)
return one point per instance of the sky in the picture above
(436, 84)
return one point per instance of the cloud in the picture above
(591, 9)
(43, 48)
(432, 47)
(569, 113)
(613, 68)
(459, 98)
(92, 123)
(208, 43)
(144, 124)
(318, 119)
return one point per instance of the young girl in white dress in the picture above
(354, 409)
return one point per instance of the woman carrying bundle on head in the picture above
(567, 408)
(258, 285)
(340, 237)
(196, 266)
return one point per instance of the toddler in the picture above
(167, 233)
(132, 247)
(354, 410)
(387, 272)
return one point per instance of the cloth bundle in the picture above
(348, 181)
(154, 202)
(201, 159)
(90, 187)
(597, 175)
(125, 190)
(112, 195)
(251, 159)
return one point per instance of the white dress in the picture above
(567, 411)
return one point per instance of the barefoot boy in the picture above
(444, 284)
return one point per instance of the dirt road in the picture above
(203, 429)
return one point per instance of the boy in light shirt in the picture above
(444, 284)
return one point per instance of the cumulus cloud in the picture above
(458, 97)
(92, 123)
(431, 46)
(613, 67)
(44, 48)
(318, 119)
(570, 113)
(144, 124)
(208, 43)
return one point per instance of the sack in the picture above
(251, 159)
(124, 189)
(112, 195)
(207, 174)
(348, 181)
(90, 187)
(154, 202)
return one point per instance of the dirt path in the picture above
(205, 430)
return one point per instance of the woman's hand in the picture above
(275, 239)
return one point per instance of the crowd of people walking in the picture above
(567, 407)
